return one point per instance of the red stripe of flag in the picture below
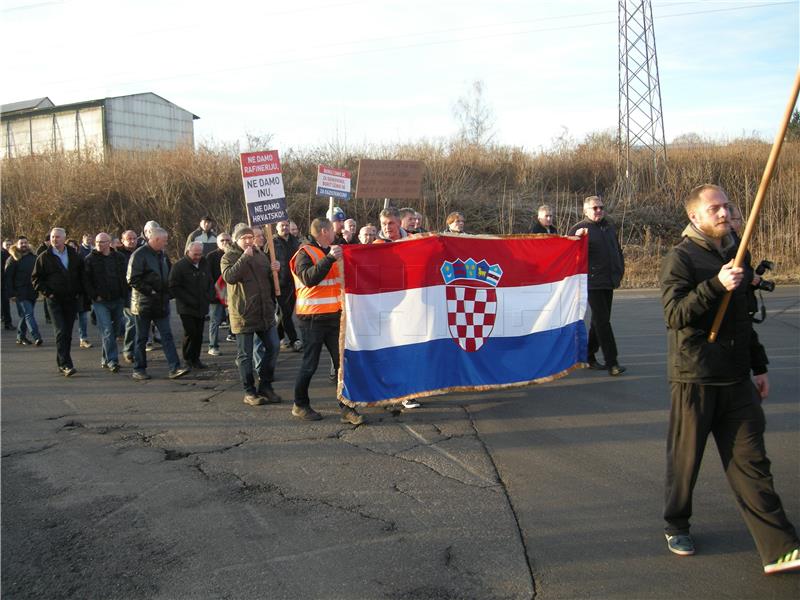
(378, 268)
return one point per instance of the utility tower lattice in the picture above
(641, 121)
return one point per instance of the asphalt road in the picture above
(113, 488)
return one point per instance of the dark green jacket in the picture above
(690, 294)
(251, 306)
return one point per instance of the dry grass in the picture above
(497, 188)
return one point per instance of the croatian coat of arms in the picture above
(471, 300)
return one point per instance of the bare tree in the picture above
(258, 141)
(475, 115)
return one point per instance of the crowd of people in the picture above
(128, 282)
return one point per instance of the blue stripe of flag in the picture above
(374, 375)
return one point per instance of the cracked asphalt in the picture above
(113, 488)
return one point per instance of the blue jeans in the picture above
(167, 342)
(216, 313)
(109, 318)
(244, 359)
(259, 352)
(27, 320)
(83, 325)
(129, 341)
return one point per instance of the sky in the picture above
(313, 73)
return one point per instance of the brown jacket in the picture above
(250, 290)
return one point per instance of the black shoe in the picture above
(10, 327)
(23, 341)
(196, 364)
(615, 370)
(113, 367)
(179, 372)
(68, 371)
(270, 396)
(306, 413)
(597, 366)
(38, 342)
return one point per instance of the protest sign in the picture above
(263, 187)
(334, 183)
(389, 179)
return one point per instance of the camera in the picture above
(763, 284)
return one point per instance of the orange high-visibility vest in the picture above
(323, 298)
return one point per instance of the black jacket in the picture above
(105, 276)
(539, 228)
(606, 264)
(691, 293)
(285, 249)
(215, 268)
(311, 274)
(191, 287)
(17, 275)
(148, 275)
(53, 281)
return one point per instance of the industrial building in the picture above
(95, 128)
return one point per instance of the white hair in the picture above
(190, 244)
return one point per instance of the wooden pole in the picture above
(271, 244)
(762, 192)
(385, 203)
(330, 207)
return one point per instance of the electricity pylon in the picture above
(641, 120)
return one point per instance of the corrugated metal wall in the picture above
(146, 122)
(138, 122)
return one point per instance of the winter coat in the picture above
(209, 240)
(251, 306)
(191, 287)
(53, 281)
(284, 251)
(690, 294)
(17, 275)
(148, 275)
(539, 228)
(606, 264)
(105, 276)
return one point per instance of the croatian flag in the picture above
(458, 313)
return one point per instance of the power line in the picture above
(431, 43)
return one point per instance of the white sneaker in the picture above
(411, 404)
(785, 564)
(214, 351)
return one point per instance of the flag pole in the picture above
(762, 192)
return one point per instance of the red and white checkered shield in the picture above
(471, 313)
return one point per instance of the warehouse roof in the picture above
(45, 105)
